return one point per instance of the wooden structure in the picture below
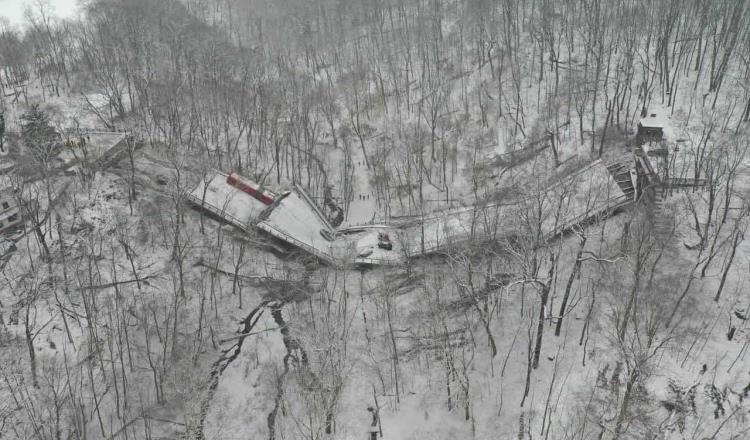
(650, 129)
(10, 216)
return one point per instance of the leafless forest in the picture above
(534, 217)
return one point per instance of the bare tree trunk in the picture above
(573, 274)
(28, 328)
(544, 297)
(735, 242)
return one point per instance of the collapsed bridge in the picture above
(589, 194)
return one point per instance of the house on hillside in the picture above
(10, 215)
(651, 128)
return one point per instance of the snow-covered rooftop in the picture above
(654, 119)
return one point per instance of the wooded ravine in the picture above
(441, 219)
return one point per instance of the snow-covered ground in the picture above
(152, 300)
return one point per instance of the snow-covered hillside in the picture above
(490, 220)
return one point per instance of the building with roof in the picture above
(651, 128)
(10, 215)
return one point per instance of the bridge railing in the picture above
(221, 213)
(610, 206)
(300, 244)
(677, 182)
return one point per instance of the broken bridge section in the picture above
(216, 196)
(295, 219)
(588, 194)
